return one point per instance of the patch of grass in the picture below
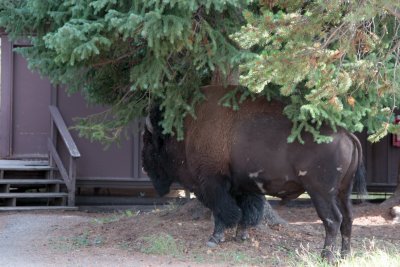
(166, 209)
(199, 258)
(161, 244)
(125, 245)
(76, 242)
(172, 206)
(239, 258)
(377, 253)
(115, 217)
(85, 240)
(384, 255)
(377, 258)
(307, 257)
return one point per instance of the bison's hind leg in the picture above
(252, 206)
(345, 207)
(328, 211)
(355, 174)
(347, 223)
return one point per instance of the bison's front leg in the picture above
(214, 194)
(218, 235)
(225, 216)
(252, 206)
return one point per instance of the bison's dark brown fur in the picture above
(230, 159)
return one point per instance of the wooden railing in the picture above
(69, 176)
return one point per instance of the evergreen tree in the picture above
(333, 62)
(127, 53)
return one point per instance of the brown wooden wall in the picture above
(382, 162)
(118, 161)
(25, 123)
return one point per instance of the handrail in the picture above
(58, 126)
(65, 135)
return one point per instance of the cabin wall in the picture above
(25, 123)
(120, 160)
(381, 161)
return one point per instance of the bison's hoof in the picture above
(344, 253)
(211, 244)
(242, 237)
(328, 256)
(214, 241)
(242, 234)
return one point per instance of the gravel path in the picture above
(24, 237)
(27, 239)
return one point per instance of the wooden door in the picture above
(24, 113)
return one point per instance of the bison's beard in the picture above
(158, 177)
(162, 186)
(152, 161)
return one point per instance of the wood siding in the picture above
(381, 161)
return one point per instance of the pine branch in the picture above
(116, 60)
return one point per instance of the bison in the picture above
(230, 159)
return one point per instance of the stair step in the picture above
(123, 200)
(33, 195)
(30, 181)
(25, 165)
(33, 208)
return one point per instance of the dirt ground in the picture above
(134, 238)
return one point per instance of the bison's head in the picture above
(154, 157)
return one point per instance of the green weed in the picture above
(115, 217)
(83, 240)
(161, 244)
(384, 255)
(238, 258)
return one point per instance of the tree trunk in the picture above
(232, 77)
(271, 217)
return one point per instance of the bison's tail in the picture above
(359, 184)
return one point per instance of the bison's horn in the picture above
(149, 126)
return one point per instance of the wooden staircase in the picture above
(26, 185)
